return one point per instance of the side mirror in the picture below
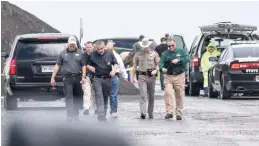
(213, 59)
(4, 54)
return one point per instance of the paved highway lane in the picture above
(206, 121)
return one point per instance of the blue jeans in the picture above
(126, 66)
(205, 90)
(115, 84)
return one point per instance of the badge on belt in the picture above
(109, 63)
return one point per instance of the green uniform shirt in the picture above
(168, 56)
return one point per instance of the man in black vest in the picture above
(160, 49)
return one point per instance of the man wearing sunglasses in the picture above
(173, 65)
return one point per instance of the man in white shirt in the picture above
(89, 100)
(115, 83)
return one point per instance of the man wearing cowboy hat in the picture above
(147, 61)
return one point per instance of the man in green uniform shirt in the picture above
(173, 65)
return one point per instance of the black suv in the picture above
(29, 67)
(221, 33)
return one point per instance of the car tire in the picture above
(224, 94)
(10, 102)
(211, 93)
(194, 89)
(187, 91)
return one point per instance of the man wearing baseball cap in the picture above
(72, 63)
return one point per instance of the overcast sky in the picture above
(153, 19)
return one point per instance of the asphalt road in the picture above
(207, 122)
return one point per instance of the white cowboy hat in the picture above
(145, 43)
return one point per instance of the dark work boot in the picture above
(178, 117)
(151, 117)
(169, 116)
(143, 116)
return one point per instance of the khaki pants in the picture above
(147, 91)
(88, 97)
(174, 92)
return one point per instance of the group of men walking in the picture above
(92, 70)
(100, 71)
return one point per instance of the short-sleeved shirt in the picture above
(161, 49)
(146, 60)
(102, 63)
(71, 62)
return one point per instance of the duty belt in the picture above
(102, 76)
(142, 72)
(175, 73)
(72, 75)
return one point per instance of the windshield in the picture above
(246, 52)
(31, 50)
(222, 41)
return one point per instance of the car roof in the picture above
(121, 38)
(224, 33)
(35, 35)
(244, 45)
(115, 38)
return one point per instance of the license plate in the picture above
(257, 78)
(252, 70)
(47, 68)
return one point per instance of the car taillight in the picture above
(237, 66)
(195, 61)
(13, 67)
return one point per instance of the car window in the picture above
(222, 55)
(31, 50)
(226, 55)
(195, 45)
(179, 41)
(246, 52)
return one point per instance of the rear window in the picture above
(122, 43)
(246, 52)
(31, 50)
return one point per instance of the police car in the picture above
(236, 70)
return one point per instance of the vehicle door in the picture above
(217, 69)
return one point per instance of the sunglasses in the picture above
(171, 46)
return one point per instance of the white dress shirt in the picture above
(121, 69)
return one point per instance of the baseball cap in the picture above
(111, 41)
(141, 37)
(72, 40)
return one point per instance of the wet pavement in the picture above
(207, 122)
